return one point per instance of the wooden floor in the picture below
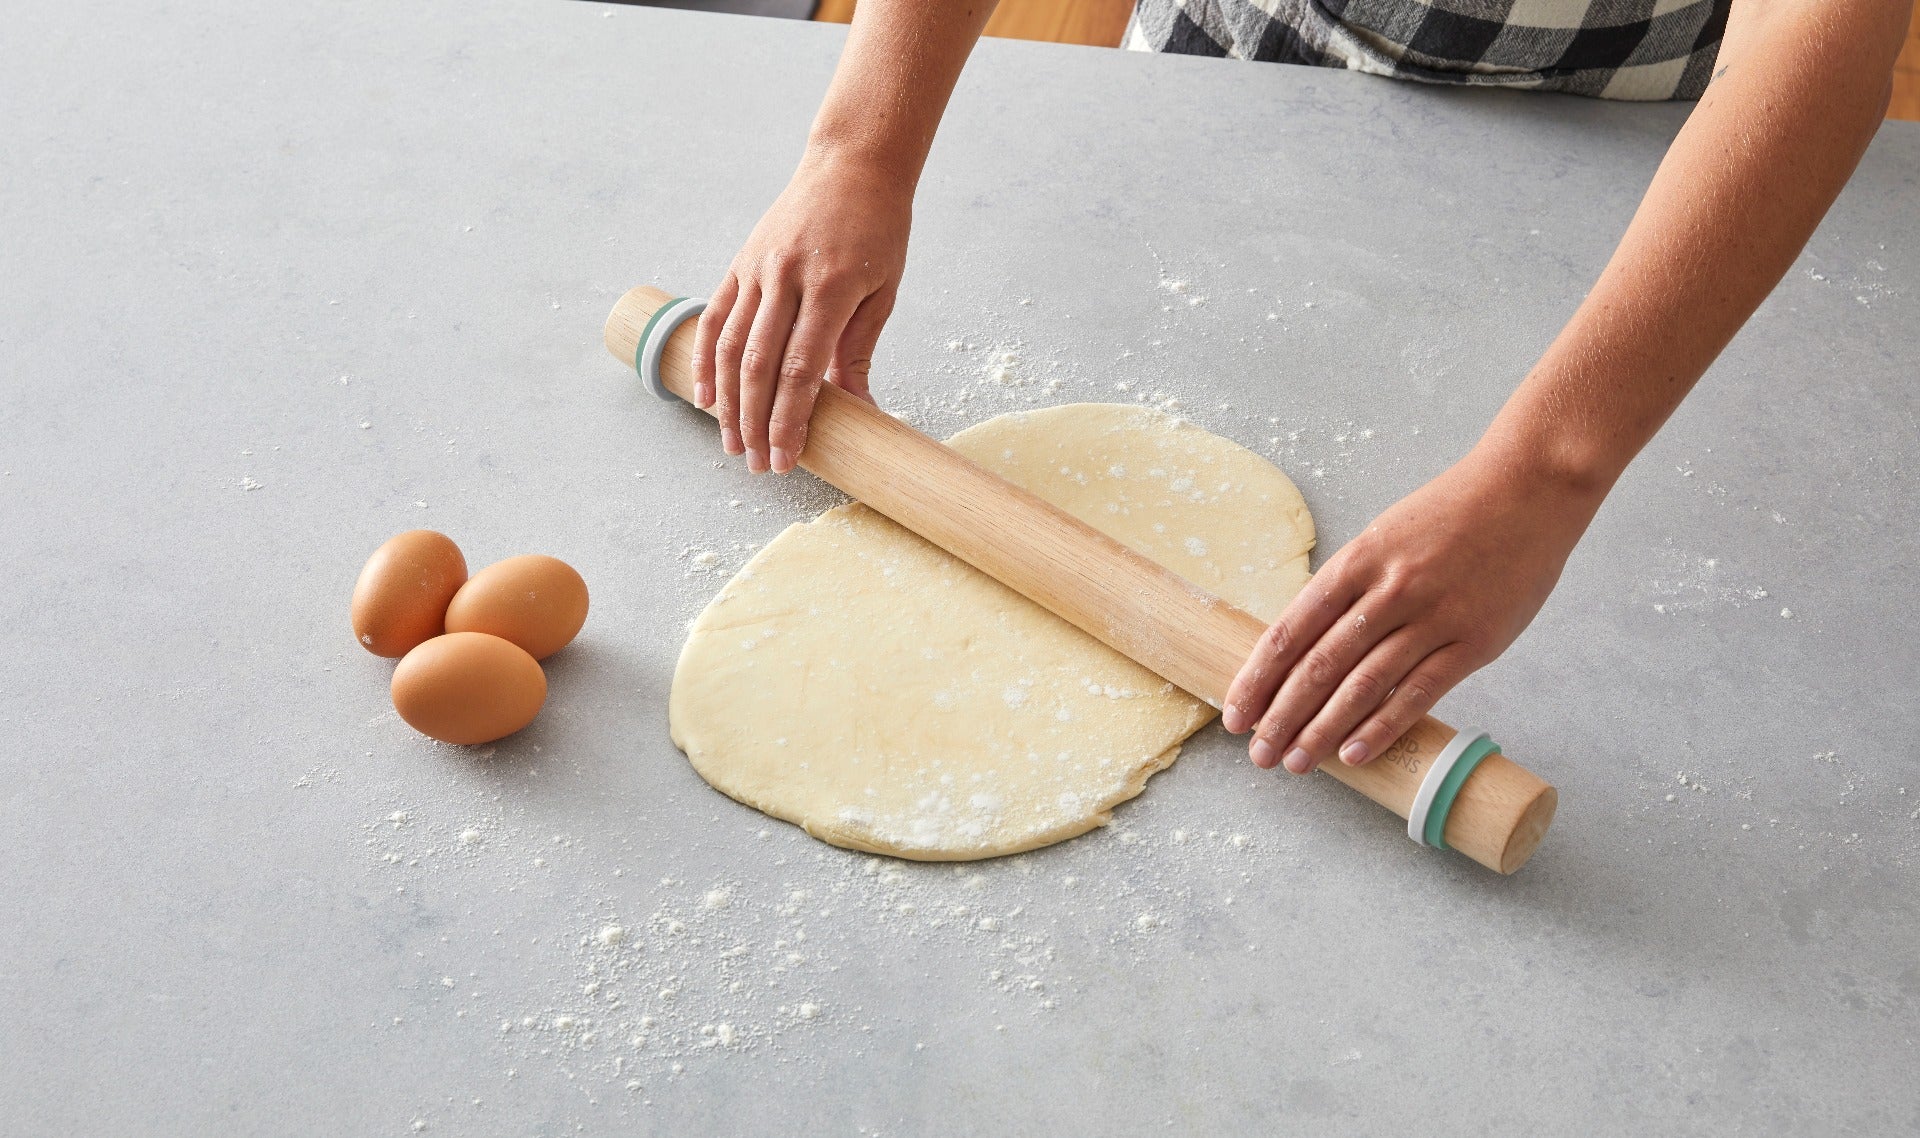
(1102, 22)
(1906, 74)
(1097, 22)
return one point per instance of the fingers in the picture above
(1413, 697)
(705, 336)
(809, 352)
(1306, 686)
(760, 362)
(728, 346)
(1308, 618)
(1362, 692)
(772, 343)
(853, 356)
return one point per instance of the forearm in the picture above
(1800, 89)
(900, 65)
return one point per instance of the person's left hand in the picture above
(1436, 588)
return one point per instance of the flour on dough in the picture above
(883, 695)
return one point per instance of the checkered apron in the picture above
(1610, 49)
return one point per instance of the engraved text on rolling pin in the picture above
(1406, 754)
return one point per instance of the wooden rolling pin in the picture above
(1133, 605)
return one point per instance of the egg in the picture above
(468, 687)
(537, 602)
(401, 597)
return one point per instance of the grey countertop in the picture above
(357, 257)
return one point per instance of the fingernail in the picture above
(782, 461)
(1298, 762)
(1354, 753)
(1263, 754)
(703, 395)
(756, 462)
(1230, 719)
(729, 440)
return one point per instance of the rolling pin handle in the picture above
(660, 328)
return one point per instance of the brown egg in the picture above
(401, 597)
(535, 601)
(468, 687)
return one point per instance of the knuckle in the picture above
(1392, 589)
(753, 360)
(1320, 670)
(1417, 692)
(822, 275)
(800, 370)
(1278, 639)
(847, 285)
(1365, 687)
(727, 344)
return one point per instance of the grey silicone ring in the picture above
(1437, 774)
(653, 341)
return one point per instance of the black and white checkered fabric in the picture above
(1610, 49)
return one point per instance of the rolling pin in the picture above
(1455, 787)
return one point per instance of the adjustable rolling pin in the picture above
(1455, 787)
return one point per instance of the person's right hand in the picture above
(803, 302)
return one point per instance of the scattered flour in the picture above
(649, 980)
(1687, 582)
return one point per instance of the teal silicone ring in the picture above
(1436, 828)
(646, 333)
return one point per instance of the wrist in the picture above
(1565, 428)
(1550, 458)
(879, 158)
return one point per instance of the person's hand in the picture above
(1436, 588)
(804, 301)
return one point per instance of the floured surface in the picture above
(865, 685)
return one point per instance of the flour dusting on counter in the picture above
(652, 979)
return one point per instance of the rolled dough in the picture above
(883, 695)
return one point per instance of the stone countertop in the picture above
(278, 283)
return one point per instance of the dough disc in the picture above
(883, 695)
